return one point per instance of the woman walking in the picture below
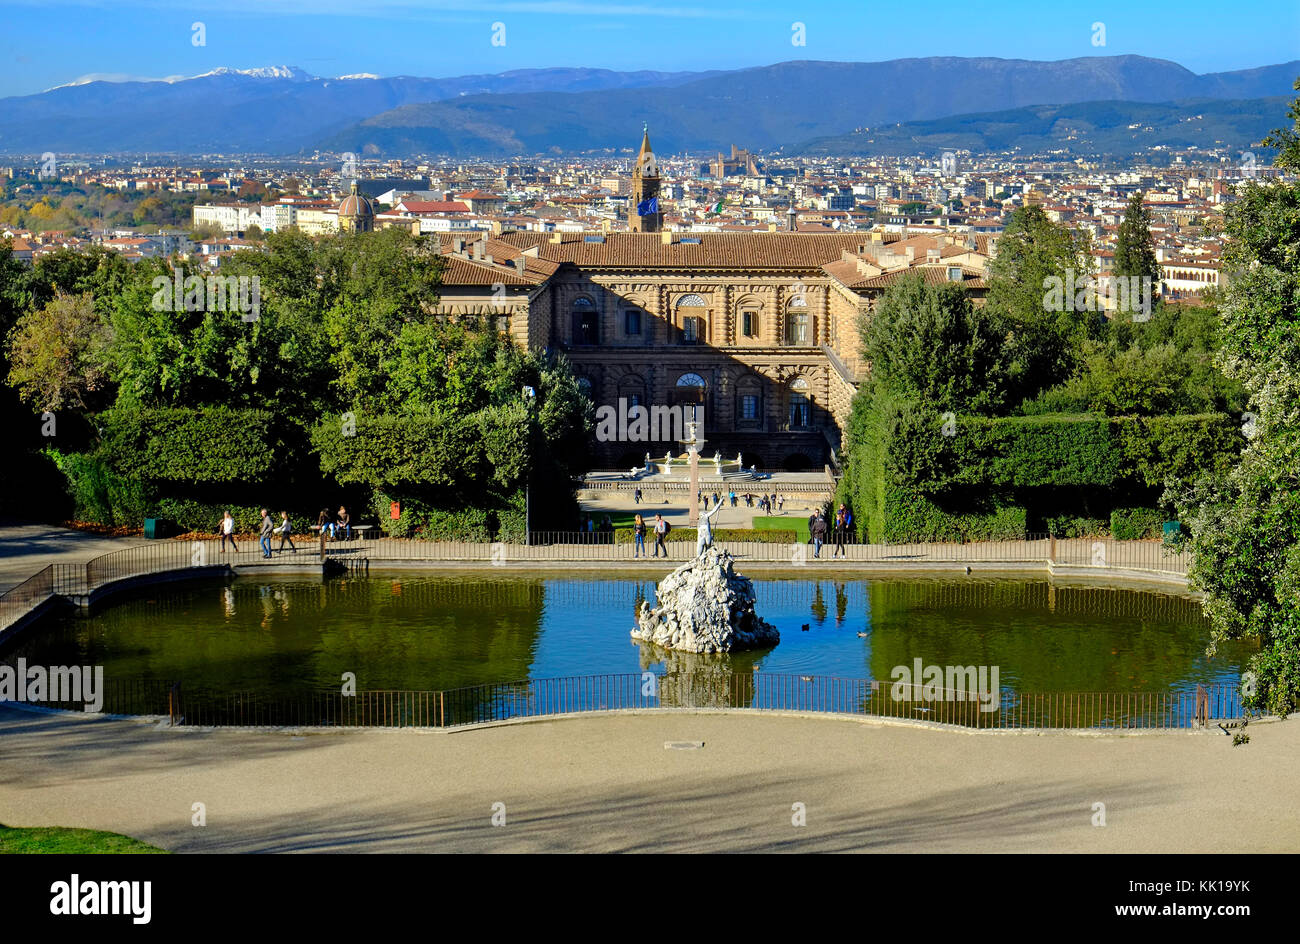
(638, 529)
(228, 532)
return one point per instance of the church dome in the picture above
(355, 205)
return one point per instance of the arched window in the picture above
(800, 412)
(692, 313)
(586, 321)
(691, 380)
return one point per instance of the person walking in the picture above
(228, 532)
(842, 519)
(780, 504)
(818, 530)
(636, 497)
(661, 532)
(285, 529)
(732, 495)
(264, 535)
(638, 530)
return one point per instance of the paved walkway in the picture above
(609, 784)
(26, 548)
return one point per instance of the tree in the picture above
(1134, 253)
(1246, 525)
(1034, 253)
(56, 354)
(930, 343)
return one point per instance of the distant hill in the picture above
(276, 110)
(283, 110)
(1084, 129)
(783, 104)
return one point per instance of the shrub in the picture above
(1073, 526)
(205, 517)
(205, 445)
(421, 519)
(99, 494)
(1130, 524)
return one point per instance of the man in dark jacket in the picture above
(264, 534)
(818, 529)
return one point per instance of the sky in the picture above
(45, 43)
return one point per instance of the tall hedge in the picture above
(196, 446)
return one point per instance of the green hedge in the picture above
(626, 535)
(1131, 524)
(200, 446)
(426, 521)
(205, 517)
(911, 516)
(1074, 526)
(100, 495)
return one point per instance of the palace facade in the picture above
(761, 329)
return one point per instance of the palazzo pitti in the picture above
(760, 327)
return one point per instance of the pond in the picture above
(284, 636)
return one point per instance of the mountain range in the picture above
(802, 105)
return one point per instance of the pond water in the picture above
(434, 632)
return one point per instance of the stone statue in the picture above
(647, 462)
(740, 460)
(704, 532)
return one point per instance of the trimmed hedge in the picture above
(424, 521)
(201, 446)
(1073, 526)
(627, 535)
(1131, 524)
(912, 516)
(205, 517)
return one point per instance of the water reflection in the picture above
(440, 632)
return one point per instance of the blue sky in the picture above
(44, 43)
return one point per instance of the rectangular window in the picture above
(749, 407)
(632, 322)
(688, 330)
(749, 325)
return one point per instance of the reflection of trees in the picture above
(818, 605)
(841, 603)
(1045, 637)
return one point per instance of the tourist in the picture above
(715, 499)
(265, 534)
(344, 524)
(228, 532)
(780, 504)
(636, 497)
(661, 532)
(732, 495)
(323, 522)
(638, 530)
(285, 529)
(842, 521)
(818, 530)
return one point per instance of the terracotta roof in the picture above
(934, 275)
(432, 206)
(796, 251)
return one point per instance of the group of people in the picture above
(818, 528)
(268, 528)
(639, 529)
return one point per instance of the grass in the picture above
(60, 840)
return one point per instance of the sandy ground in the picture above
(608, 783)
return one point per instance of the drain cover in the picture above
(683, 745)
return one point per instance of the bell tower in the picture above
(645, 214)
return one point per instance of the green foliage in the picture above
(424, 521)
(1135, 253)
(1245, 523)
(207, 445)
(205, 517)
(1132, 524)
(931, 343)
(909, 515)
(99, 494)
(1073, 526)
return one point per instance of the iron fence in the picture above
(705, 689)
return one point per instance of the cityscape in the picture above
(635, 412)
